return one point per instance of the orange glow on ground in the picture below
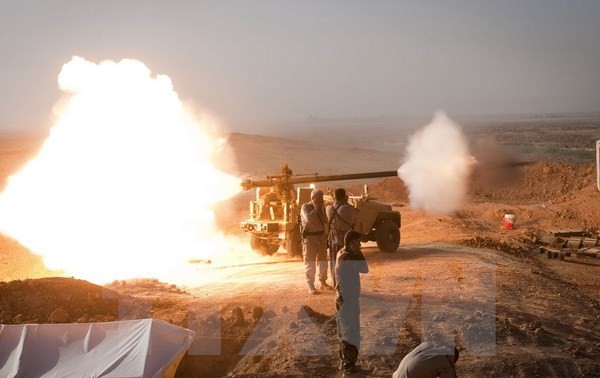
(124, 185)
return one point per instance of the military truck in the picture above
(273, 214)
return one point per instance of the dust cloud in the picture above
(437, 166)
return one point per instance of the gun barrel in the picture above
(291, 180)
(353, 176)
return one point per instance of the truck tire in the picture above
(262, 246)
(271, 248)
(387, 236)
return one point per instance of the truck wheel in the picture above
(271, 248)
(387, 235)
(262, 246)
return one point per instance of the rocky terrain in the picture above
(511, 310)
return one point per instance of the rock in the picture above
(305, 311)
(84, 319)
(18, 319)
(8, 316)
(293, 325)
(269, 314)
(257, 313)
(301, 313)
(237, 316)
(59, 315)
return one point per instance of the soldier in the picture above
(314, 243)
(265, 202)
(341, 217)
(349, 264)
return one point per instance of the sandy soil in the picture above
(511, 311)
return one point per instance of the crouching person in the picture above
(428, 361)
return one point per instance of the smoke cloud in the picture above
(437, 166)
(125, 185)
(496, 165)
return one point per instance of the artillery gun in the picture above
(272, 222)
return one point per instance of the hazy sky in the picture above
(254, 61)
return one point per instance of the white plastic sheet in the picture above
(136, 348)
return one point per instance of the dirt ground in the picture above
(511, 311)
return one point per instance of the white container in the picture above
(509, 221)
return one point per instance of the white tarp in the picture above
(133, 348)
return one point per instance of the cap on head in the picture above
(339, 194)
(316, 193)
